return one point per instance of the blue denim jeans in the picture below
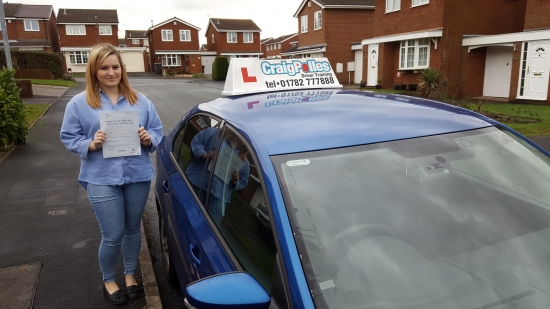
(118, 211)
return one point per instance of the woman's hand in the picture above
(235, 177)
(98, 140)
(144, 137)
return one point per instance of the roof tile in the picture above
(224, 24)
(80, 16)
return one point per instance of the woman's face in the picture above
(109, 73)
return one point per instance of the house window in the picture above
(303, 23)
(419, 2)
(393, 5)
(167, 35)
(75, 30)
(79, 57)
(145, 42)
(317, 20)
(105, 30)
(185, 35)
(248, 37)
(135, 41)
(232, 37)
(171, 60)
(415, 54)
(279, 46)
(31, 25)
(212, 38)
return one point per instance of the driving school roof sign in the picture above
(253, 75)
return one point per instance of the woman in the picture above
(117, 187)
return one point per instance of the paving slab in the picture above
(18, 285)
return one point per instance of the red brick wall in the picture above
(224, 47)
(212, 46)
(342, 27)
(16, 31)
(91, 38)
(130, 44)
(277, 51)
(53, 33)
(537, 14)
(407, 19)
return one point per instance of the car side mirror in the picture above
(227, 290)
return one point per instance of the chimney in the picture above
(151, 23)
(64, 11)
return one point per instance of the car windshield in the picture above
(457, 221)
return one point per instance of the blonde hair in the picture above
(96, 58)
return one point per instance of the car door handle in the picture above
(195, 254)
(165, 186)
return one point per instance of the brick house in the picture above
(233, 37)
(81, 29)
(327, 28)
(263, 45)
(414, 34)
(274, 47)
(136, 38)
(514, 65)
(31, 27)
(174, 46)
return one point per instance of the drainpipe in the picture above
(5, 37)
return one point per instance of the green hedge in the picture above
(13, 126)
(219, 68)
(35, 60)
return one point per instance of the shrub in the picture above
(35, 60)
(219, 68)
(429, 81)
(13, 126)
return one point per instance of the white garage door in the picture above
(498, 71)
(207, 61)
(133, 61)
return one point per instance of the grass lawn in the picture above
(34, 111)
(513, 109)
(53, 82)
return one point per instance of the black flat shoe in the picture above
(116, 298)
(134, 292)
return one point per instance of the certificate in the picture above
(121, 128)
(228, 161)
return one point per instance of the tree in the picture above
(13, 126)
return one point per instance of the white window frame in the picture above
(171, 60)
(318, 20)
(79, 57)
(103, 28)
(135, 41)
(212, 38)
(75, 29)
(303, 24)
(419, 2)
(145, 42)
(248, 37)
(393, 5)
(405, 51)
(231, 36)
(279, 46)
(30, 23)
(186, 35)
(268, 47)
(167, 35)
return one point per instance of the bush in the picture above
(13, 126)
(219, 68)
(429, 81)
(35, 60)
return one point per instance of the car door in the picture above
(192, 236)
(239, 208)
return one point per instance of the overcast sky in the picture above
(274, 17)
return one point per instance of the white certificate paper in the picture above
(228, 161)
(121, 128)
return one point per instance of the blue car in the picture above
(332, 198)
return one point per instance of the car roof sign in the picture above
(253, 75)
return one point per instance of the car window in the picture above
(237, 205)
(192, 147)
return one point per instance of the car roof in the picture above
(308, 120)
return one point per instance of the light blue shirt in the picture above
(80, 124)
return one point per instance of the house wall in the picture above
(312, 37)
(222, 46)
(91, 38)
(536, 15)
(407, 19)
(16, 31)
(53, 33)
(277, 52)
(342, 27)
(130, 44)
(212, 46)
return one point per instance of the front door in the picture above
(372, 70)
(536, 74)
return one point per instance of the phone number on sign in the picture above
(307, 82)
